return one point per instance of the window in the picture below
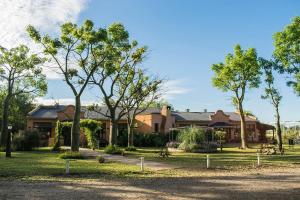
(156, 127)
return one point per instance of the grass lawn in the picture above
(43, 162)
(231, 157)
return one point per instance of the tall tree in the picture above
(287, 52)
(120, 68)
(76, 53)
(140, 95)
(272, 94)
(240, 72)
(21, 74)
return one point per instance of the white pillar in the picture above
(207, 161)
(258, 159)
(142, 164)
(67, 166)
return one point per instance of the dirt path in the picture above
(132, 161)
(210, 185)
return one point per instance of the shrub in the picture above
(196, 140)
(192, 136)
(26, 141)
(150, 140)
(172, 144)
(71, 155)
(113, 149)
(130, 148)
(289, 135)
(100, 159)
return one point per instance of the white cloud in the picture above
(174, 88)
(46, 15)
(62, 101)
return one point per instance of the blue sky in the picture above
(185, 37)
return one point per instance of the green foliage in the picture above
(113, 149)
(89, 127)
(196, 140)
(290, 134)
(220, 136)
(130, 148)
(149, 140)
(20, 105)
(100, 159)
(287, 51)
(71, 155)
(26, 141)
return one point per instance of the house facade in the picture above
(153, 120)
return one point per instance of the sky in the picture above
(184, 37)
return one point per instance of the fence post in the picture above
(67, 166)
(258, 159)
(142, 164)
(207, 161)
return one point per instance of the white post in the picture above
(142, 164)
(258, 159)
(67, 166)
(207, 161)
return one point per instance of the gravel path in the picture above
(211, 185)
(123, 159)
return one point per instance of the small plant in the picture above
(71, 155)
(100, 159)
(113, 149)
(164, 153)
(130, 148)
(26, 141)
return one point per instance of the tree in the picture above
(20, 105)
(21, 74)
(76, 53)
(140, 95)
(160, 103)
(287, 52)
(272, 93)
(116, 74)
(240, 72)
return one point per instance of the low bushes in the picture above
(113, 149)
(130, 148)
(26, 141)
(71, 155)
(150, 140)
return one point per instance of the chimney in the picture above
(187, 110)
(205, 110)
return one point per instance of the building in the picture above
(153, 120)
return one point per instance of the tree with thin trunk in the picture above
(120, 68)
(287, 52)
(272, 93)
(76, 55)
(20, 73)
(240, 72)
(141, 93)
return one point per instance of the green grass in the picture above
(231, 157)
(43, 162)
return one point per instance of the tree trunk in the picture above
(243, 128)
(129, 131)
(75, 131)
(113, 130)
(278, 130)
(4, 132)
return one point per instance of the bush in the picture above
(150, 140)
(196, 140)
(130, 148)
(172, 144)
(289, 135)
(71, 155)
(100, 159)
(113, 149)
(26, 141)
